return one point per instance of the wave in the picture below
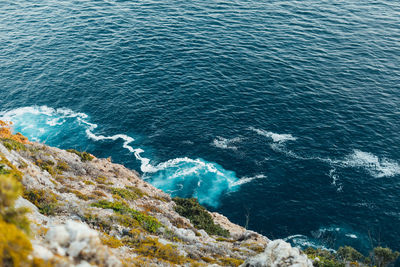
(277, 138)
(330, 238)
(374, 165)
(225, 143)
(245, 180)
(377, 167)
(303, 242)
(186, 177)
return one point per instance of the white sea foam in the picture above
(225, 143)
(196, 177)
(245, 180)
(352, 236)
(335, 180)
(377, 167)
(302, 242)
(277, 138)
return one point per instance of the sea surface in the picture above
(282, 115)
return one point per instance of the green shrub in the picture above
(46, 165)
(15, 246)
(148, 222)
(198, 215)
(62, 166)
(10, 190)
(151, 247)
(230, 262)
(348, 253)
(384, 256)
(325, 258)
(83, 155)
(11, 144)
(129, 193)
(46, 201)
(111, 241)
(12, 170)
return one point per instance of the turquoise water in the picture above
(286, 111)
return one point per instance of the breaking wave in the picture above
(225, 143)
(377, 167)
(277, 138)
(182, 176)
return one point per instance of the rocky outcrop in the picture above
(278, 253)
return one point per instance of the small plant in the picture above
(9, 168)
(102, 180)
(98, 193)
(198, 215)
(325, 258)
(11, 144)
(62, 166)
(148, 222)
(151, 247)
(230, 262)
(15, 246)
(88, 182)
(111, 241)
(80, 195)
(104, 224)
(46, 201)
(46, 165)
(10, 190)
(83, 155)
(129, 193)
(6, 133)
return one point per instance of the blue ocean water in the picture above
(285, 112)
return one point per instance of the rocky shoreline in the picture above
(86, 211)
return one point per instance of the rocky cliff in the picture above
(80, 210)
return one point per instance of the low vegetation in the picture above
(15, 247)
(6, 133)
(46, 165)
(85, 156)
(46, 201)
(11, 144)
(148, 222)
(347, 255)
(128, 193)
(198, 216)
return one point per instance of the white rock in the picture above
(76, 248)
(278, 253)
(185, 234)
(80, 231)
(84, 264)
(58, 236)
(42, 252)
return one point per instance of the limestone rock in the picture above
(278, 253)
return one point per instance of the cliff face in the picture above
(86, 211)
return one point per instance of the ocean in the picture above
(282, 113)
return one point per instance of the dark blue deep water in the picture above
(283, 111)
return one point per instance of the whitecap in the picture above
(277, 138)
(352, 236)
(377, 167)
(245, 180)
(225, 143)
